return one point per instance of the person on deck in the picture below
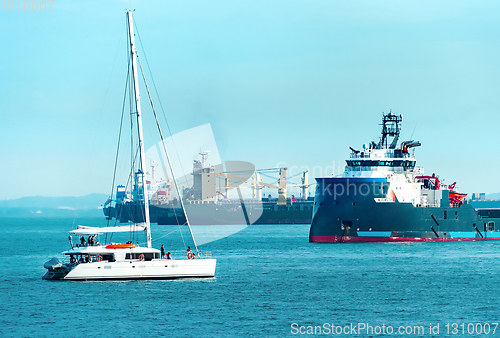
(168, 255)
(82, 241)
(162, 251)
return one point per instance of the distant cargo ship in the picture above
(383, 197)
(208, 205)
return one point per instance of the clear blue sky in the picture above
(282, 83)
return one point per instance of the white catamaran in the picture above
(93, 261)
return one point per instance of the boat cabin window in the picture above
(147, 256)
(109, 258)
(85, 258)
(491, 226)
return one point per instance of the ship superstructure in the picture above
(382, 196)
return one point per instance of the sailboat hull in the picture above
(155, 269)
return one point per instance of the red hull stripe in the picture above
(348, 239)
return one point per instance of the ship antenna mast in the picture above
(153, 166)
(390, 127)
(203, 155)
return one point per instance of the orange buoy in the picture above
(98, 258)
(190, 255)
(141, 257)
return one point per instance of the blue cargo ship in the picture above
(382, 196)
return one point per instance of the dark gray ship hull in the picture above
(245, 213)
(359, 210)
(248, 212)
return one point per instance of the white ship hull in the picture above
(154, 269)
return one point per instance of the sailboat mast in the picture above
(142, 173)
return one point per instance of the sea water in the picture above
(270, 282)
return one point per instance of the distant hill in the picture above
(89, 205)
(91, 201)
(495, 196)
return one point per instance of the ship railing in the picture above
(200, 201)
(390, 153)
(205, 254)
(417, 170)
(433, 205)
(200, 255)
(364, 155)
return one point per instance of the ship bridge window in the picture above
(395, 163)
